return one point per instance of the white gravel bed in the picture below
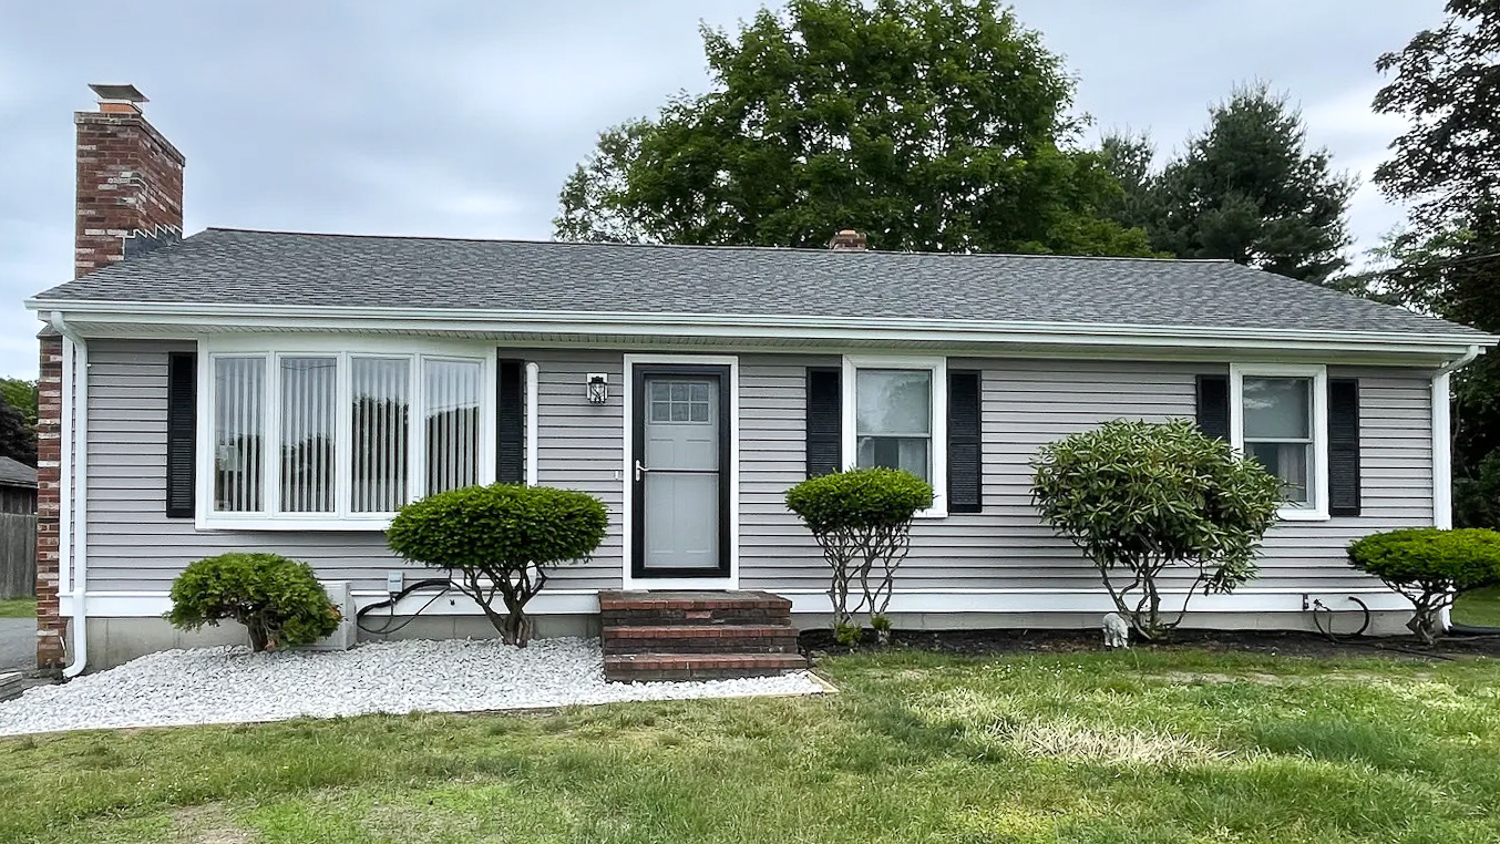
(231, 684)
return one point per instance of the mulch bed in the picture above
(1286, 643)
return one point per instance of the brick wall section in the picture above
(49, 648)
(129, 180)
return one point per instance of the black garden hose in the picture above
(441, 584)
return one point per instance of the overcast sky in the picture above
(463, 118)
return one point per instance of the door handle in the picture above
(640, 471)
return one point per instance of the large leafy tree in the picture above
(1446, 83)
(1247, 188)
(17, 439)
(21, 395)
(935, 125)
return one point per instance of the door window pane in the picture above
(239, 430)
(1278, 432)
(307, 433)
(451, 392)
(893, 419)
(381, 402)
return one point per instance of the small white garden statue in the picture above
(1116, 631)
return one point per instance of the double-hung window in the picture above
(1279, 417)
(305, 438)
(895, 416)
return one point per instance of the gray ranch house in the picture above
(256, 390)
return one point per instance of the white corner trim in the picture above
(938, 424)
(1442, 442)
(533, 423)
(1318, 512)
(1442, 453)
(627, 469)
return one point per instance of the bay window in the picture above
(312, 439)
(895, 416)
(1278, 417)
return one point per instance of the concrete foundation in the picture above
(113, 641)
(1344, 623)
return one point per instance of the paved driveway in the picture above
(17, 643)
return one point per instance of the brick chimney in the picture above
(849, 239)
(129, 182)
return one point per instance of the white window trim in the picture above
(938, 366)
(343, 348)
(1318, 512)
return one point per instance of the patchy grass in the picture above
(1480, 608)
(18, 608)
(1090, 747)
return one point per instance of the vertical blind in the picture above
(344, 438)
(381, 396)
(239, 418)
(308, 431)
(451, 390)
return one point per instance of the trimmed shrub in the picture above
(279, 601)
(862, 521)
(500, 539)
(1143, 497)
(1430, 567)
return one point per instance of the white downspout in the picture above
(75, 415)
(532, 377)
(1442, 449)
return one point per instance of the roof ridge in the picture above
(816, 250)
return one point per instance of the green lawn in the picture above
(1480, 608)
(18, 608)
(1127, 747)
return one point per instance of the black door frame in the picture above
(640, 371)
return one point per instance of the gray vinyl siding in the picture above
(134, 547)
(1030, 402)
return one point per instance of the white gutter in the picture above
(74, 402)
(736, 326)
(532, 377)
(1442, 450)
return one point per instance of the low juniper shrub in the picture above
(1430, 567)
(279, 600)
(500, 538)
(862, 520)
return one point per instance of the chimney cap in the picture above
(849, 239)
(117, 93)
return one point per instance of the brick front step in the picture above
(720, 638)
(660, 609)
(644, 667)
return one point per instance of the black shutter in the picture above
(182, 423)
(1213, 405)
(964, 458)
(1343, 447)
(824, 421)
(510, 422)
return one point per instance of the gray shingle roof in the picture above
(276, 268)
(15, 473)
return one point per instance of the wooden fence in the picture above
(17, 556)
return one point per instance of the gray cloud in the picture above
(463, 118)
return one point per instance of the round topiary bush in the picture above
(862, 521)
(1430, 567)
(279, 600)
(500, 538)
(1144, 496)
